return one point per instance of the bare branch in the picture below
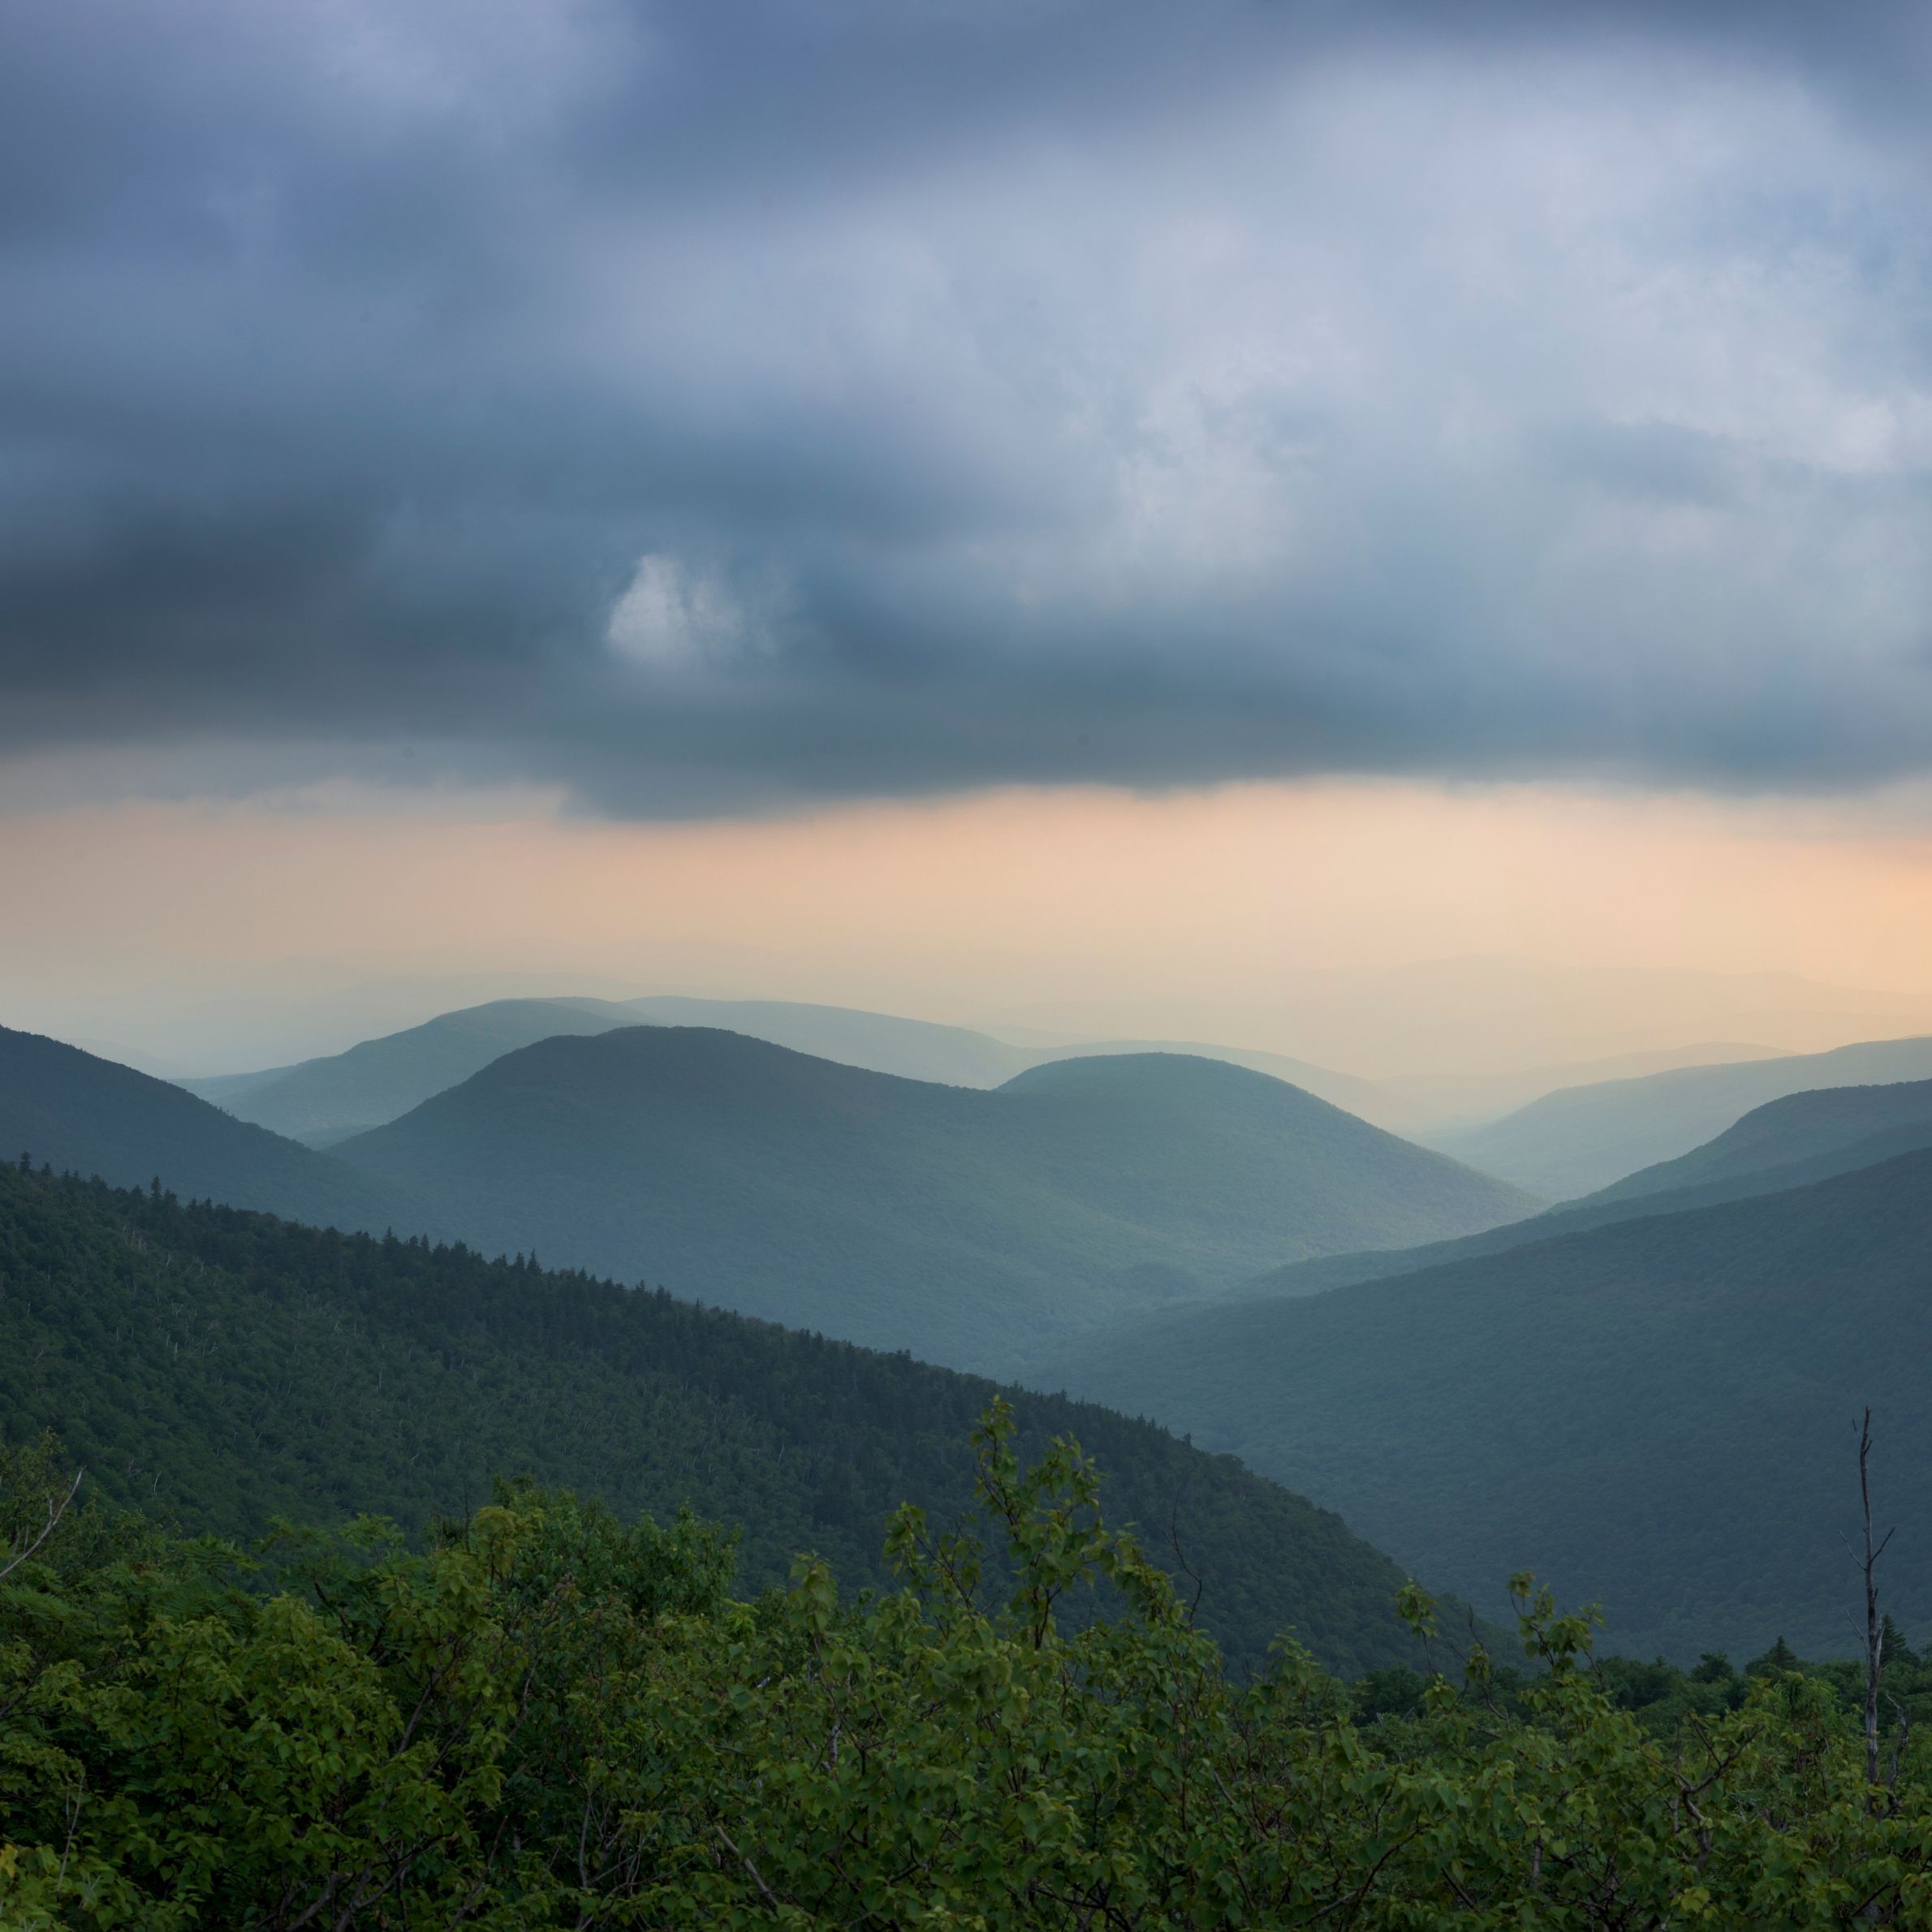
(757, 1878)
(55, 1511)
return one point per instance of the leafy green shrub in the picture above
(550, 1719)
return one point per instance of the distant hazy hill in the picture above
(225, 1369)
(325, 1100)
(1787, 1143)
(1800, 1138)
(72, 1111)
(1365, 1099)
(965, 1224)
(1581, 1139)
(1460, 1101)
(1657, 1412)
(957, 1056)
(952, 1056)
(344, 1093)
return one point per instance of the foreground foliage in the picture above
(548, 1719)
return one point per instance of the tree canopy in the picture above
(551, 1719)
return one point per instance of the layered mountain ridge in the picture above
(1656, 1413)
(968, 1225)
(377, 1080)
(1579, 1140)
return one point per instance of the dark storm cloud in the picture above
(708, 407)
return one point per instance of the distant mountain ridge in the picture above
(72, 1109)
(964, 1224)
(1461, 1102)
(1787, 1143)
(1656, 1413)
(921, 1049)
(1800, 1136)
(967, 1224)
(374, 1081)
(325, 1100)
(1581, 1139)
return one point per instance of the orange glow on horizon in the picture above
(1179, 911)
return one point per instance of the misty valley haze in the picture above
(965, 966)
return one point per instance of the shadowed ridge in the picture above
(1576, 1141)
(376, 1079)
(1654, 1412)
(76, 1111)
(1787, 1143)
(1803, 1136)
(964, 1224)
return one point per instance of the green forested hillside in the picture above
(1582, 1139)
(96, 1116)
(967, 1226)
(1656, 1413)
(223, 1369)
(344, 1093)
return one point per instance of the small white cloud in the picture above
(675, 620)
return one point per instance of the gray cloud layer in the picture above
(711, 407)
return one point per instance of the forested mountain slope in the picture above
(1582, 1139)
(1656, 1412)
(376, 1079)
(224, 1369)
(963, 1224)
(96, 1116)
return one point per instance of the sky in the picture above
(1035, 508)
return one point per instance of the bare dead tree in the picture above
(1188, 1569)
(57, 1507)
(1874, 1628)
